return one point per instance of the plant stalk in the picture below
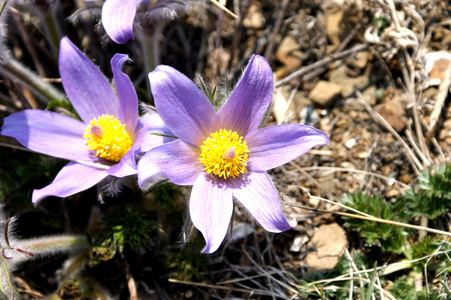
(17, 71)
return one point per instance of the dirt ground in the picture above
(373, 74)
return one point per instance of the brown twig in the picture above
(269, 49)
(322, 63)
(351, 170)
(310, 178)
(130, 281)
(416, 164)
(223, 8)
(212, 286)
(371, 218)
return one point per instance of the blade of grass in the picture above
(369, 292)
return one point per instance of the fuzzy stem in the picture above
(51, 27)
(15, 70)
(47, 245)
(149, 54)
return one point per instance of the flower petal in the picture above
(48, 133)
(258, 195)
(88, 90)
(250, 98)
(73, 178)
(117, 19)
(146, 133)
(182, 106)
(210, 208)
(178, 161)
(125, 167)
(128, 100)
(274, 146)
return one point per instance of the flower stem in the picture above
(48, 245)
(149, 54)
(15, 70)
(51, 27)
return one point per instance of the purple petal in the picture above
(144, 139)
(182, 106)
(125, 167)
(128, 100)
(88, 90)
(274, 146)
(73, 178)
(258, 195)
(177, 160)
(210, 208)
(250, 98)
(117, 19)
(48, 133)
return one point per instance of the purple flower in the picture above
(103, 142)
(224, 154)
(118, 16)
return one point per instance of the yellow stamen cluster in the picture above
(108, 137)
(224, 154)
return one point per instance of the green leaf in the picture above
(388, 237)
(432, 197)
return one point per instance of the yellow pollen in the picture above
(224, 154)
(108, 137)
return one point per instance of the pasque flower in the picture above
(224, 154)
(118, 16)
(103, 142)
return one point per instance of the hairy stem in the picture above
(17, 71)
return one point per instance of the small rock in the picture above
(437, 65)
(393, 113)
(241, 230)
(254, 18)
(289, 54)
(447, 124)
(283, 109)
(347, 165)
(314, 202)
(359, 61)
(348, 84)
(344, 122)
(325, 93)
(334, 16)
(350, 143)
(325, 247)
(370, 94)
(353, 104)
(328, 183)
(366, 135)
(308, 116)
(446, 131)
(362, 154)
(298, 242)
(394, 192)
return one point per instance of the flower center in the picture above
(108, 137)
(224, 154)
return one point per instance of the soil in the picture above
(374, 76)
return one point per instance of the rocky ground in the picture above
(374, 75)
